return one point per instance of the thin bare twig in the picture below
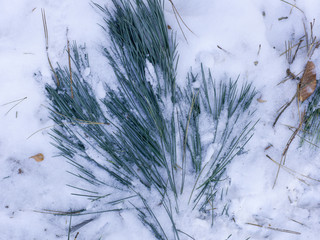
(282, 109)
(284, 153)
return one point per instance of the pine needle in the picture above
(176, 14)
(18, 102)
(46, 35)
(284, 154)
(195, 96)
(292, 5)
(69, 230)
(283, 108)
(69, 60)
(291, 171)
(75, 238)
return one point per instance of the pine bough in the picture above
(149, 146)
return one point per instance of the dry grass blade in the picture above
(46, 35)
(308, 82)
(69, 60)
(275, 229)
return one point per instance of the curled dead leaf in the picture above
(39, 157)
(308, 82)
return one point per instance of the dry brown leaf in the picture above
(39, 157)
(308, 82)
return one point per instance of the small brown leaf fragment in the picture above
(39, 157)
(169, 27)
(260, 100)
(308, 82)
(20, 171)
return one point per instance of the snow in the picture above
(238, 28)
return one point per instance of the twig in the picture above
(282, 109)
(284, 154)
(295, 53)
(275, 229)
(304, 139)
(46, 35)
(289, 49)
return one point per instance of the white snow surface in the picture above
(28, 187)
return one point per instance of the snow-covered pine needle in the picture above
(139, 150)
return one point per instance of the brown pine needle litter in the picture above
(177, 14)
(282, 109)
(275, 229)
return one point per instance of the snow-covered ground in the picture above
(251, 36)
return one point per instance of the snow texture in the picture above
(226, 38)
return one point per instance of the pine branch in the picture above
(148, 127)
